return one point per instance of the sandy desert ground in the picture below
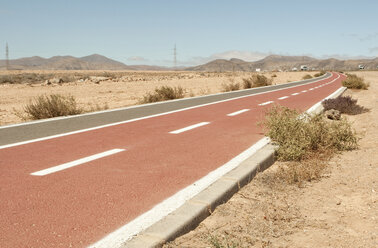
(120, 89)
(339, 210)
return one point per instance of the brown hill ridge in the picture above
(285, 63)
(269, 63)
(91, 62)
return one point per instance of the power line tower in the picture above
(174, 57)
(6, 56)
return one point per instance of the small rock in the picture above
(56, 81)
(97, 80)
(333, 114)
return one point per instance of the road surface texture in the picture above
(72, 190)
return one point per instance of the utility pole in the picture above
(174, 57)
(6, 56)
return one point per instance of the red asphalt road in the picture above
(80, 205)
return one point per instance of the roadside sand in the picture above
(339, 210)
(120, 92)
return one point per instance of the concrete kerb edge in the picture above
(194, 211)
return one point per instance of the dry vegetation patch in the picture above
(344, 104)
(95, 90)
(48, 106)
(355, 82)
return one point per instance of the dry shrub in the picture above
(54, 105)
(164, 93)
(255, 81)
(298, 138)
(298, 172)
(344, 104)
(354, 82)
(230, 87)
(306, 142)
(204, 91)
(319, 74)
(307, 76)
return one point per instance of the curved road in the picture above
(73, 189)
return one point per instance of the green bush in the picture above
(354, 82)
(52, 106)
(164, 93)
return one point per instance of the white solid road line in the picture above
(265, 103)
(238, 112)
(190, 127)
(284, 97)
(294, 94)
(75, 163)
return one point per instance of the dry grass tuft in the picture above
(298, 138)
(255, 81)
(307, 76)
(48, 106)
(232, 86)
(354, 82)
(164, 93)
(344, 104)
(306, 142)
(319, 74)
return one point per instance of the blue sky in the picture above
(145, 31)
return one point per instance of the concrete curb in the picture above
(194, 211)
(188, 216)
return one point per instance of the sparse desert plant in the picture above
(222, 242)
(354, 82)
(204, 91)
(274, 75)
(164, 93)
(344, 104)
(232, 86)
(97, 107)
(48, 106)
(321, 73)
(307, 76)
(255, 81)
(298, 138)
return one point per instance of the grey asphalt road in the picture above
(34, 130)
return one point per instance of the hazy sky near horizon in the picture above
(145, 31)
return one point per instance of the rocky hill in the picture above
(91, 62)
(269, 63)
(278, 62)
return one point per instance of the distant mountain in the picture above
(278, 62)
(91, 62)
(271, 62)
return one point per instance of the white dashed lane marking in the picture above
(189, 127)
(75, 163)
(238, 112)
(284, 97)
(265, 103)
(294, 94)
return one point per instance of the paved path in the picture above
(72, 190)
